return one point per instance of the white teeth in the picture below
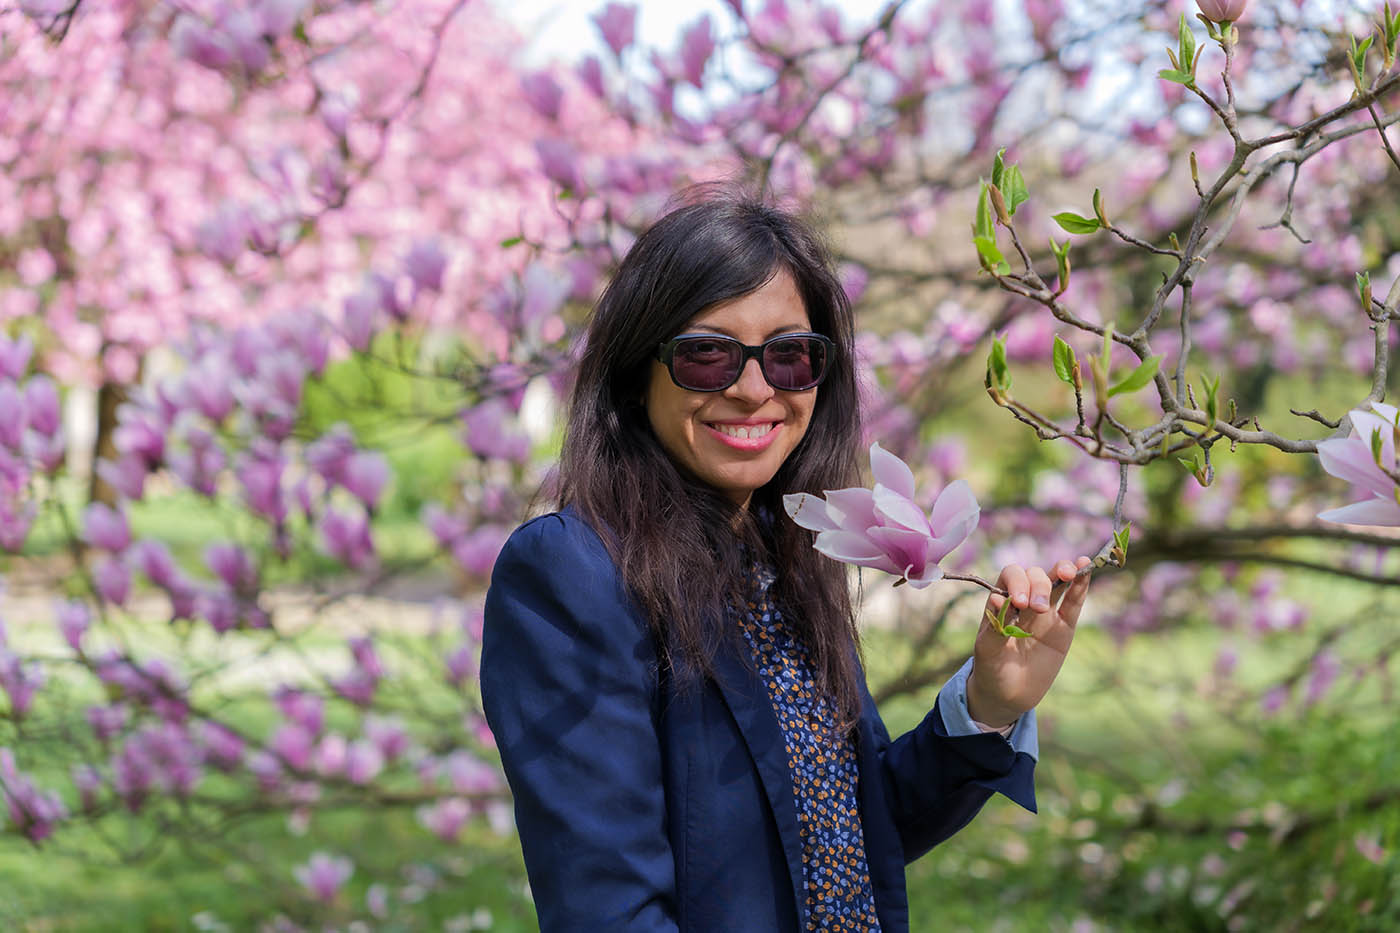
(742, 431)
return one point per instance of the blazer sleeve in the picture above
(935, 782)
(567, 684)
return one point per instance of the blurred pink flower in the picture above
(14, 356)
(618, 24)
(543, 93)
(113, 580)
(363, 761)
(41, 405)
(106, 528)
(365, 473)
(697, 44)
(1222, 11)
(883, 528)
(324, 875)
(445, 818)
(73, 620)
(1352, 459)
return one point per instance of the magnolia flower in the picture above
(324, 875)
(1222, 11)
(1354, 460)
(883, 528)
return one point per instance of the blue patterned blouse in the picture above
(823, 765)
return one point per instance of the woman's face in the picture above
(736, 439)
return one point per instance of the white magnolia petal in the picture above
(809, 511)
(891, 471)
(852, 509)
(955, 506)
(932, 574)
(1349, 458)
(1374, 511)
(1367, 424)
(851, 547)
(899, 509)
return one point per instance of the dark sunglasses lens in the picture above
(705, 364)
(794, 363)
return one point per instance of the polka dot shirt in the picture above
(824, 776)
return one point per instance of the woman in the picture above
(672, 672)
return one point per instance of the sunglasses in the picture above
(712, 363)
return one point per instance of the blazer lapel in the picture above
(748, 701)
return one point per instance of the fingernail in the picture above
(1041, 603)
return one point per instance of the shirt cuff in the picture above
(952, 707)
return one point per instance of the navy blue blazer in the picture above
(644, 806)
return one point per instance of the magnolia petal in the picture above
(907, 550)
(1367, 512)
(851, 547)
(809, 511)
(1367, 424)
(852, 509)
(1349, 458)
(899, 509)
(890, 471)
(954, 508)
(1390, 413)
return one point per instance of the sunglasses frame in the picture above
(666, 354)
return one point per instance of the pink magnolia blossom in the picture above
(41, 405)
(363, 761)
(113, 580)
(324, 874)
(106, 528)
(73, 621)
(1222, 11)
(32, 811)
(543, 93)
(445, 818)
(1352, 459)
(697, 44)
(14, 356)
(883, 528)
(618, 24)
(365, 474)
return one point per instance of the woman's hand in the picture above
(1011, 675)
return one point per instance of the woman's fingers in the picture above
(1075, 595)
(1039, 590)
(1013, 579)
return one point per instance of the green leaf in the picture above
(1015, 189)
(1191, 465)
(1138, 378)
(1363, 290)
(1377, 445)
(989, 251)
(1098, 208)
(1107, 358)
(1014, 630)
(1121, 536)
(1071, 222)
(998, 374)
(1061, 261)
(998, 166)
(1212, 388)
(1358, 52)
(1064, 361)
(1186, 45)
(512, 241)
(982, 227)
(1179, 77)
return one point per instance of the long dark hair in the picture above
(684, 548)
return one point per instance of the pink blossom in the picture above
(41, 405)
(328, 454)
(618, 24)
(330, 754)
(360, 318)
(113, 580)
(73, 618)
(13, 417)
(324, 875)
(21, 681)
(33, 812)
(386, 734)
(476, 552)
(445, 818)
(365, 475)
(233, 565)
(559, 159)
(346, 537)
(1352, 459)
(106, 721)
(140, 434)
(106, 528)
(494, 433)
(470, 775)
(293, 744)
(223, 748)
(543, 93)
(127, 475)
(461, 665)
(883, 528)
(697, 44)
(1222, 11)
(363, 761)
(153, 559)
(14, 356)
(307, 710)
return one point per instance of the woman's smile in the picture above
(736, 439)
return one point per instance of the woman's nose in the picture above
(750, 386)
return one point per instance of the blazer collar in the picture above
(748, 701)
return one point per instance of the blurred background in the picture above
(289, 293)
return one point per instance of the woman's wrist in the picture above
(985, 710)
